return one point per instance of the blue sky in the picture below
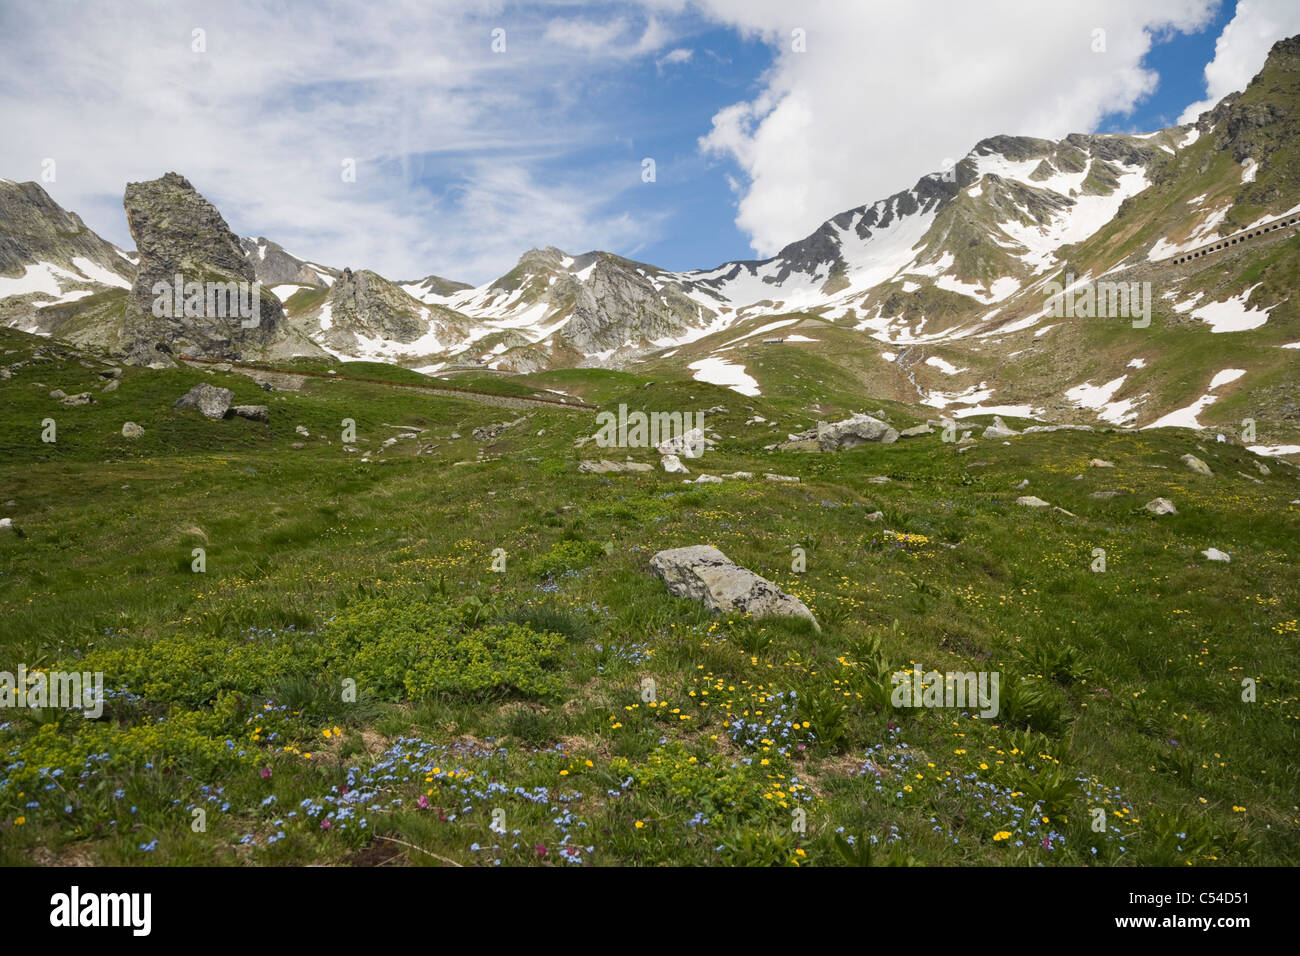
(763, 117)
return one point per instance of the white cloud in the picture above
(464, 156)
(588, 35)
(675, 56)
(1242, 48)
(885, 92)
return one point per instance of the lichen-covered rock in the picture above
(703, 573)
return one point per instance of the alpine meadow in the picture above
(960, 532)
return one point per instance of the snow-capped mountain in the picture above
(939, 293)
(48, 257)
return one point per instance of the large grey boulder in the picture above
(1198, 466)
(703, 573)
(855, 431)
(837, 436)
(212, 401)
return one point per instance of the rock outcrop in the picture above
(181, 237)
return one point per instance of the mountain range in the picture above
(938, 296)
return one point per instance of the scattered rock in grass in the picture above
(876, 516)
(490, 432)
(1198, 466)
(301, 430)
(1101, 463)
(1032, 501)
(297, 446)
(58, 393)
(604, 466)
(1035, 429)
(211, 401)
(916, 431)
(705, 480)
(999, 429)
(690, 444)
(740, 475)
(1161, 506)
(132, 430)
(111, 385)
(1262, 468)
(83, 398)
(703, 573)
(1023, 485)
(771, 477)
(1214, 554)
(254, 413)
(673, 465)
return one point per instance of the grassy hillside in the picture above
(569, 700)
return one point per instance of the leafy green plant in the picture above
(828, 711)
(1031, 704)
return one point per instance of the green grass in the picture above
(349, 632)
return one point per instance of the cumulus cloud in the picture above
(1242, 48)
(886, 92)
